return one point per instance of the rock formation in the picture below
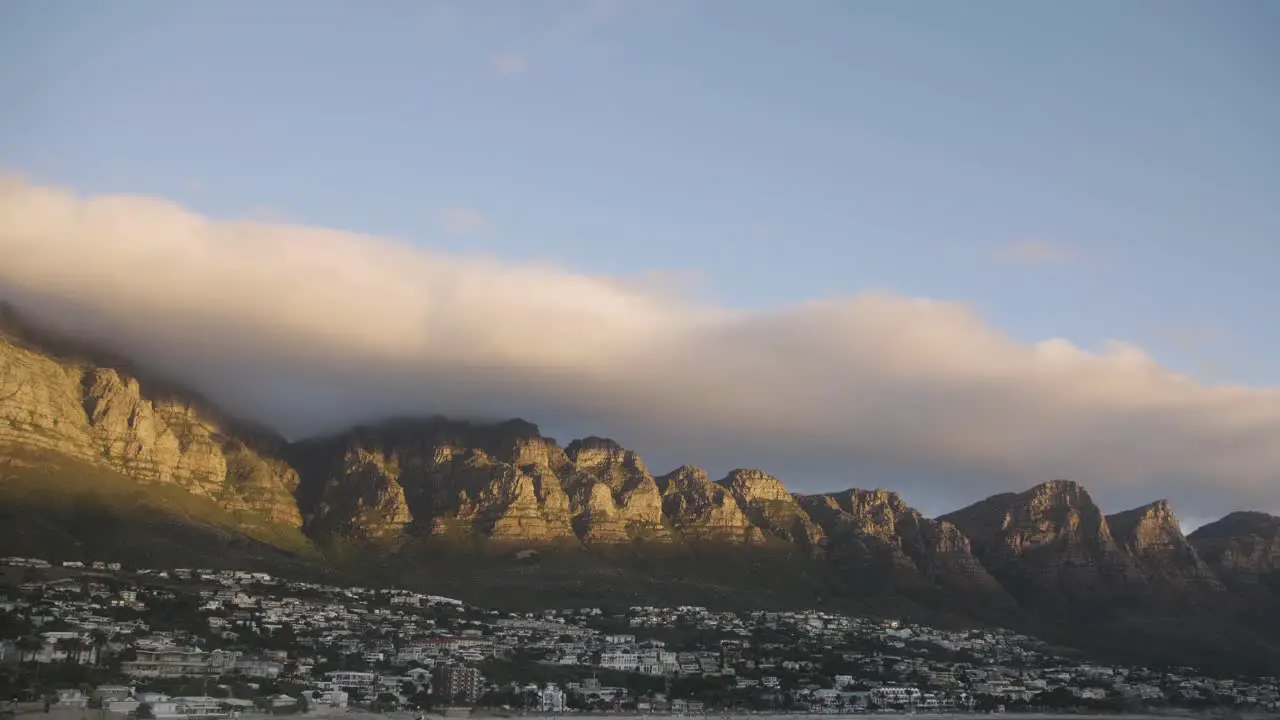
(1153, 538)
(1050, 545)
(768, 504)
(103, 416)
(1242, 548)
(875, 531)
(703, 510)
(615, 499)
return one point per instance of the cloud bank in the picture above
(308, 330)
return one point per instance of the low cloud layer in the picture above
(308, 330)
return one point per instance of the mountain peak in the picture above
(592, 442)
(1149, 526)
(1060, 492)
(1241, 523)
(751, 485)
(519, 427)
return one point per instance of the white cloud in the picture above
(509, 64)
(464, 220)
(308, 329)
(1035, 252)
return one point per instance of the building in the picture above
(343, 679)
(551, 698)
(259, 667)
(458, 683)
(167, 662)
(72, 698)
(891, 696)
(112, 692)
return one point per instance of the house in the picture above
(112, 692)
(167, 662)
(199, 706)
(551, 698)
(72, 698)
(259, 668)
(333, 698)
(352, 679)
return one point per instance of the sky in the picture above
(860, 244)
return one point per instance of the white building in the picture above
(891, 695)
(551, 698)
(352, 679)
(72, 698)
(619, 660)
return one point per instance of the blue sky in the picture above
(1081, 170)
(775, 151)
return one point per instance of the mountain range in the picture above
(100, 461)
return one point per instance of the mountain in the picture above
(1152, 537)
(100, 460)
(1243, 548)
(88, 414)
(1050, 546)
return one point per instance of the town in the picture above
(185, 643)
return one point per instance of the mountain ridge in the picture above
(390, 487)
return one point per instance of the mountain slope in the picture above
(1050, 546)
(100, 415)
(1243, 549)
(55, 506)
(1152, 537)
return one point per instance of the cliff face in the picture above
(106, 417)
(703, 510)
(768, 505)
(614, 497)
(1243, 549)
(875, 530)
(1050, 545)
(1153, 539)
(435, 477)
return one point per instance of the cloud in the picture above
(509, 64)
(464, 220)
(1035, 252)
(310, 329)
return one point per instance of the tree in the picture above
(144, 712)
(385, 701)
(28, 646)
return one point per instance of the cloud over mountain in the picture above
(309, 329)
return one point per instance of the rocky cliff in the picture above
(875, 532)
(1050, 546)
(700, 509)
(1152, 537)
(768, 505)
(435, 477)
(614, 497)
(102, 415)
(1243, 549)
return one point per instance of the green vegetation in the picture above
(58, 507)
